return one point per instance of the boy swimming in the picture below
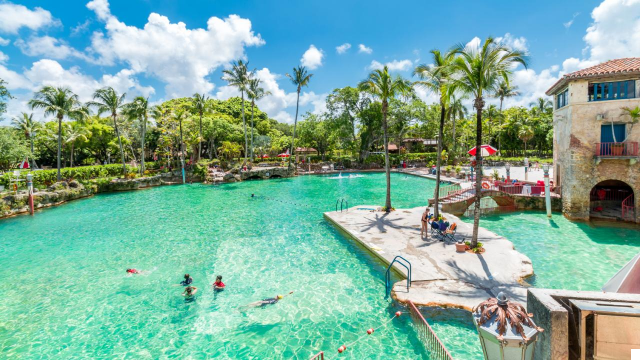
(189, 293)
(218, 284)
(265, 302)
(187, 280)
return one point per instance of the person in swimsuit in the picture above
(189, 293)
(425, 223)
(187, 280)
(269, 301)
(218, 285)
(133, 271)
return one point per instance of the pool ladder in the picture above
(342, 202)
(387, 277)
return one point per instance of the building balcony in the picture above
(612, 150)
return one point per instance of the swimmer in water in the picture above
(133, 271)
(218, 285)
(190, 292)
(187, 280)
(265, 302)
(252, 195)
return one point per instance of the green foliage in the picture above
(43, 178)
(13, 148)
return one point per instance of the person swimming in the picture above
(187, 280)
(218, 285)
(133, 271)
(189, 293)
(268, 301)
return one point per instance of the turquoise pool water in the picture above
(65, 292)
(566, 254)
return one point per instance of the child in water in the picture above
(265, 302)
(133, 271)
(190, 292)
(187, 280)
(218, 285)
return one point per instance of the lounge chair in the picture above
(451, 232)
(435, 229)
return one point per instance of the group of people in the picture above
(427, 218)
(190, 291)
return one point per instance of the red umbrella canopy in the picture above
(486, 150)
(283, 155)
(24, 164)
(265, 156)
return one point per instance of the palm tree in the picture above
(436, 78)
(59, 102)
(238, 76)
(525, 134)
(299, 78)
(200, 104)
(73, 133)
(457, 110)
(478, 71)
(255, 92)
(139, 109)
(26, 124)
(541, 105)
(381, 85)
(504, 91)
(107, 100)
(179, 115)
(492, 113)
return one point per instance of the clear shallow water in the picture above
(66, 293)
(565, 254)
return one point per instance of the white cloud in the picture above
(343, 48)
(178, 56)
(615, 31)
(3, 57)
(474, 43)
(14, 16)
(80, 28)
(312, 58)
(49, 47)
(395, 65)
(363, 49)
(4, 42)
(515, 43)
(570, 22)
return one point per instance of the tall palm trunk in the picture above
(200, 139)
(252, 105)
(144, 130)
(182, 153)
(33, 159)
(436, 210)
(500, 126)
(71, 154)
(115, 126)
(295, 124)
(478, 104)
(455, 152)
(59, 143)
(387, 168)
(244, 125)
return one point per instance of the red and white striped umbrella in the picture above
(486, 150)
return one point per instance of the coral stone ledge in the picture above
(440, 276)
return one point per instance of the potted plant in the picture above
(461, 246)
(617, 149)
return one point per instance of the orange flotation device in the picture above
(485, 185)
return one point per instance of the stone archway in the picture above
(606, 199)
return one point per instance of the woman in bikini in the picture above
(425, 223)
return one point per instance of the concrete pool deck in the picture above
(440, 275)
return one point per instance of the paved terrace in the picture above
(440, 275)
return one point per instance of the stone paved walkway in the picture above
(440, 275)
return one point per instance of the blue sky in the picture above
(138, 46)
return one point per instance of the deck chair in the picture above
(451, 232)
(435, 229)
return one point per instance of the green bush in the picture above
(44, 178)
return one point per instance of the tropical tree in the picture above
(478, 72)
(299, 78)
(108, 100)
(541, 105)
(26, 124)
(71, 134)
(238, 76)
(4, 95)
(59, 102)
(255, 92)
(179, 115)
(384, 87)
(492, 113)
(504, 91)
(139, 109)
(436, 78)
(199, 105)
(457, 110)
(634, 114)
(525, 134)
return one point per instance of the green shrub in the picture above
(44, 178)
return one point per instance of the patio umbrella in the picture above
(24, 164)
(283, 155)
(486, 150)
(627, 280)
(265, 156)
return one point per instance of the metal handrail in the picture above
(343, 203)
(627, 206)
(318, 356)
(387, 276)
(429, 338)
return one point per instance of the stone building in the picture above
(595, 143)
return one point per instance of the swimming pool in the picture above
(66, 293)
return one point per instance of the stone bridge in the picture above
(458, 203)
(266, 173)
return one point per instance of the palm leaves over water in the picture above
(28, 126)
(107, 100)
(59, 102)
(255, 92)
(238, 76)
(300, 79)
(479, 71)
(383, 86)
(436, 78)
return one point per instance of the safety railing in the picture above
(447, 189)
(318, 356)
(628, 208)
(343, 203)
(613, 194)
(613, 149)
(437, 351)
(387, 276)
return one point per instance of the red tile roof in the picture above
(611, 67)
